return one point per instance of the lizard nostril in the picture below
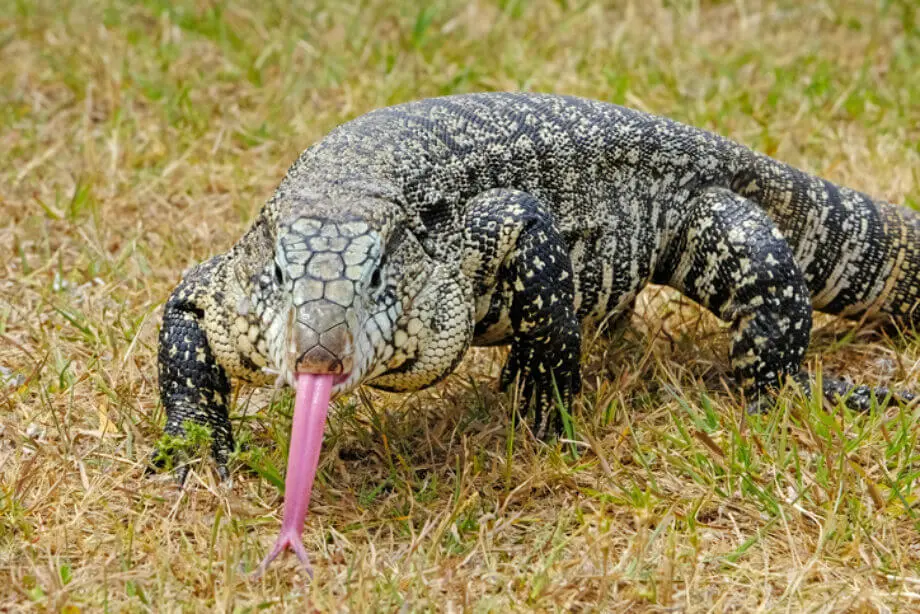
(320, 360)
(322, 348)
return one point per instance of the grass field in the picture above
(137, 138)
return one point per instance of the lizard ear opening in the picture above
(279, 275)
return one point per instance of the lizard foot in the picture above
(860, 398)
(855, 397)
(547, 387)
(178, 461)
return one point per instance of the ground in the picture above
(137, 138)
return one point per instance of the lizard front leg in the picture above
(194, 387)
(520, 269)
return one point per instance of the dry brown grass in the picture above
(139, 138)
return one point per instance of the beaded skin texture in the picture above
(413, 232)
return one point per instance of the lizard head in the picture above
(334, 297)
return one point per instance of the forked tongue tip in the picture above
(311, 404)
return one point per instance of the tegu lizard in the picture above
(413, 232)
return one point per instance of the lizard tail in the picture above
(859, 256)
(860, 398)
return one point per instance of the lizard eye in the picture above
(376, 281)
(279, 276)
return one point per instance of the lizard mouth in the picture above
(341, 379)
(338, 380)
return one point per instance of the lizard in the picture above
(415, 231)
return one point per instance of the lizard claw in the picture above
(181, 475)
(758, 407)
(544, 385)
(158, 462)
(182, 471)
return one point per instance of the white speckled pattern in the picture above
(414, 231)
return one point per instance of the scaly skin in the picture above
(412, 232)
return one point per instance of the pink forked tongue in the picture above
(311, 405)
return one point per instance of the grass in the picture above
(138, 138)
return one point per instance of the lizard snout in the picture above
(321, 341)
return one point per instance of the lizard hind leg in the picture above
(729, 256)
(513, 249)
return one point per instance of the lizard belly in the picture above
(610, 270)
(493, 319)
(604, 286)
